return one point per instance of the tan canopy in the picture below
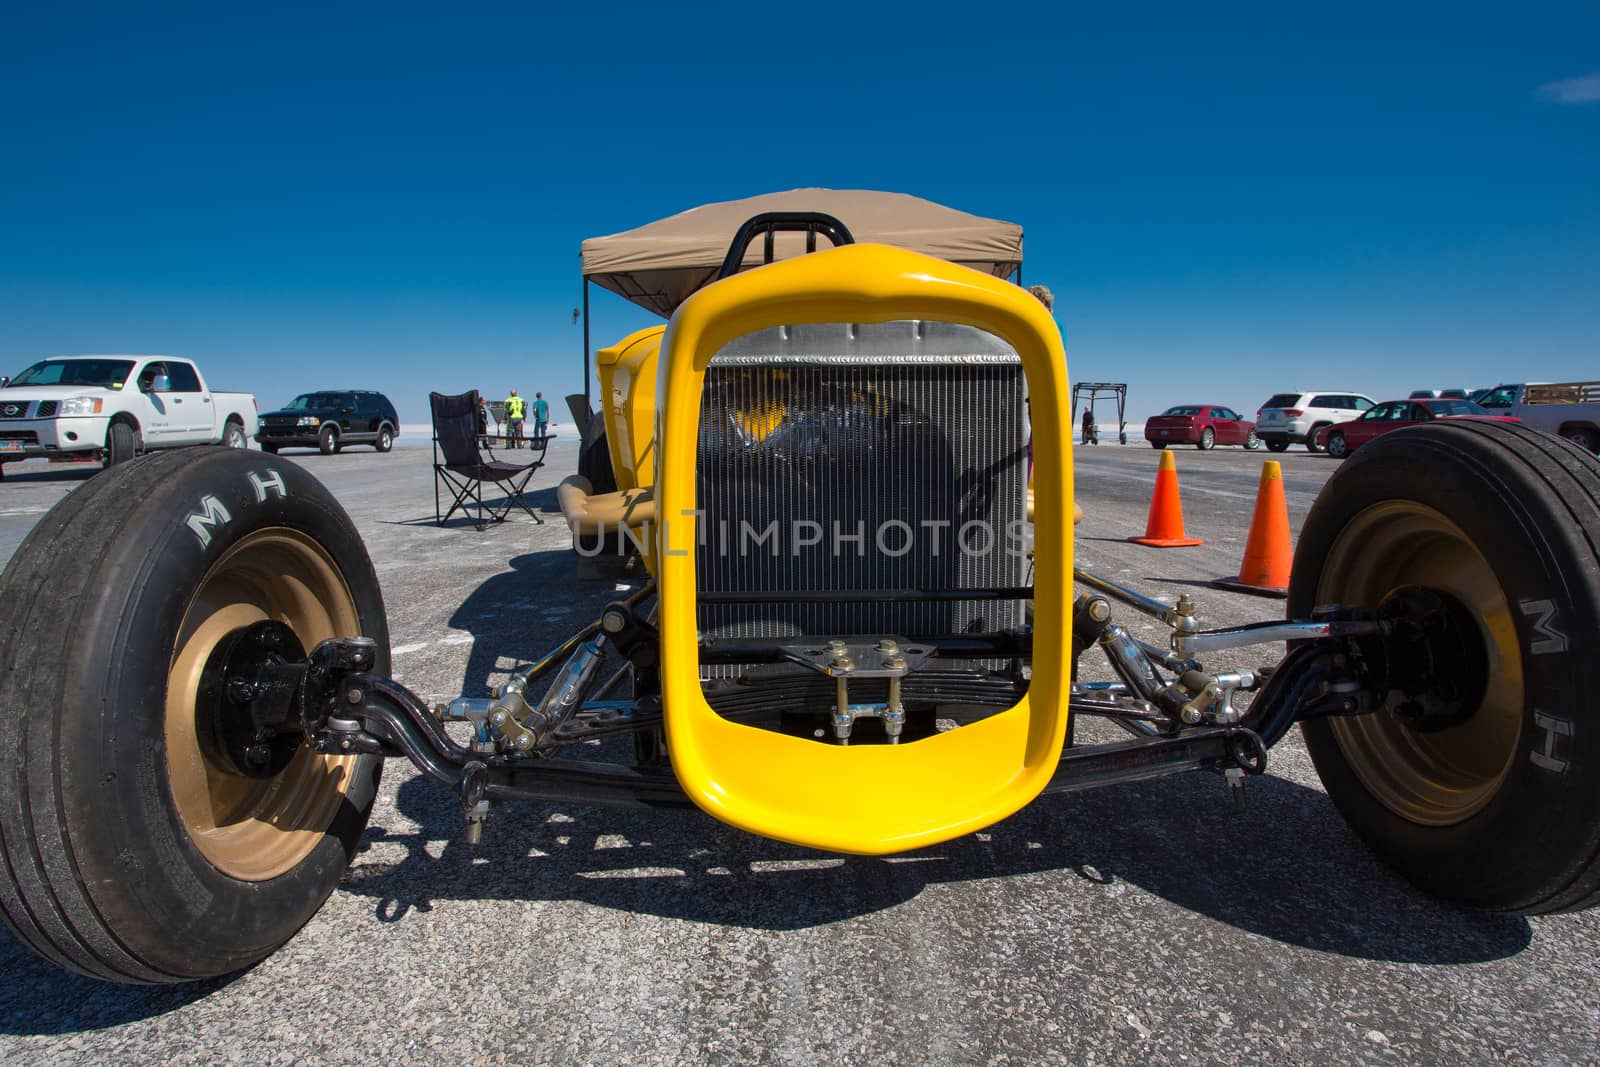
(658, 265)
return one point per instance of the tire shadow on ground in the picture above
(42, 999)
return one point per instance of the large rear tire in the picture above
(1500, 810)
(133, 850)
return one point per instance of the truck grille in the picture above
(888, 463)
(14, 409)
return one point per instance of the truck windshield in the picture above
(315, 401)
(104, 373)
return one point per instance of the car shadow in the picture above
(532, 608)
(1287, 869)
(42, 999)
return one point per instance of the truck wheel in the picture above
(328, 441)
(233, 435)
(1277, 444)
(1484, 791)
(134, 850)
(1584, 437)
(385, 439)
(122, 444)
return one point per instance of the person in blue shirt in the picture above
(541, 415)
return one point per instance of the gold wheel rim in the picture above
(1446, 776)
(248, 828)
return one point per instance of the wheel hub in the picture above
(1436, 662)
(238, 697)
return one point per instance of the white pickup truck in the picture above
(1571, 409)
(114, 407)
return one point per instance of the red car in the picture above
(1203, 425)
(1342, 438)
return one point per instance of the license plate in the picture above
(10, 446)
(1163, 433)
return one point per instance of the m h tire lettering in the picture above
(1551, 640)
(210, 514)
(273, 482)
(1545, 755)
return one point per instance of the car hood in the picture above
(29, 393)
(297, 413)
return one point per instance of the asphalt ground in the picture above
(1132, 924)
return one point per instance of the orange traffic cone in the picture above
(1164, 528)
(1267, 553)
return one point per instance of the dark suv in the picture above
(329, 420)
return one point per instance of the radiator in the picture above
(886, 462)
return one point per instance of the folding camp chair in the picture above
(465, 468)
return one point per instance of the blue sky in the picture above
(1226, 204)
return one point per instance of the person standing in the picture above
(514, 412)
(483, 422)
(541, 416)
(1091, 435)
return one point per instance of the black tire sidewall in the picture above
(1503, 856)
(166, 902)
(328, 441)
(122, 444)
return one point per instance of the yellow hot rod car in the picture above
(845, 462)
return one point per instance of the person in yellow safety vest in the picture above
(514, 413)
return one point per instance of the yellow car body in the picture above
(868, 798)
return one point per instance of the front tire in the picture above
(328, 441)
(1338, 447)
(134, 852)
(122, 444)
(1583, 437)
(1500, 810)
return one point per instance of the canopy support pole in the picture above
(588, 399)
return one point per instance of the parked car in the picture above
(1343, 438)
(1422, 394)
(77, 406)
(1295, 418)
(330, 420)
(1202, 425)
(1571, 409)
